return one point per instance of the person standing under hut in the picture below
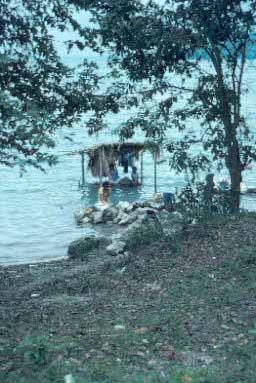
(113, 173)
(135, 177)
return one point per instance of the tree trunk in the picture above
(235, 170)
(233, 162)
(236, 178)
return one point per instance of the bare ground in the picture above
(181, 310)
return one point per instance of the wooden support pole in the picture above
(155, 178)
(141, 168)
(100, 167)
(83, 173)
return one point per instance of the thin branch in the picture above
(231, 54)
(241, 79)
(167, 87)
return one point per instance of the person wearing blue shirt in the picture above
(113, 173)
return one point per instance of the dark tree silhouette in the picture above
(38, 93)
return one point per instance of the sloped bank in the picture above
(186, 316)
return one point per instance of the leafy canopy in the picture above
(163, 48)
(38, 93)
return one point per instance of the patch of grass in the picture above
(149, 231)
(34, 351)
(177, 331)
(41, 360)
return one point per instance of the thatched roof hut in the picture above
(103, 155)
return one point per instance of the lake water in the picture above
(37, 210)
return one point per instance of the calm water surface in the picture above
(37, 210)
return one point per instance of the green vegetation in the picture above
(183, 65)
(38, 93)
(145, 233)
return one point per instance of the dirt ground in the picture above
(182, 310)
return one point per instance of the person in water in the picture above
(135, 177)
(210, 188)
(224, 184)
(104, 193)
(113, 173)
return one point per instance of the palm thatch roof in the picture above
(118, 147)
(101, 156)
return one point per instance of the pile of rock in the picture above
(124, 213)
(138, 223)
(144, 230)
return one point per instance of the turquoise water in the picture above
(37, 210)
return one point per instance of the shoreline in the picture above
(32, 264)
(247, 206)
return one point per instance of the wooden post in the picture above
(83, 173)
(155, 181)
(100, 167)
(141, 168)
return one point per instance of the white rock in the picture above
(86, 220)
(116, 237)
(110, 214)
(137, 204)
(153, 286)
(122, 216)
(79, 215)
(115, 248)
(119, 327)
(141, 210)
(128, 220)
(122, 222)
(152, 362)
(122, 270)
(157, 205)
(124, 206)
(157, 197)
(69, 378)
(145, 210)
(98, 217)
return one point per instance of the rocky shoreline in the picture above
(124, 223)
